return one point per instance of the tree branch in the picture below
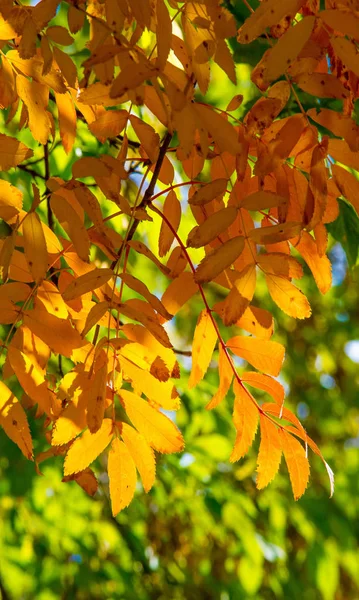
(148, 193)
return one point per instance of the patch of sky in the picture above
(342, 317)
(303, 410)
(327, 381)
(339, 264)
(351, 349)
(271, 552)
(186, 460)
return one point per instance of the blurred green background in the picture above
(204, 531)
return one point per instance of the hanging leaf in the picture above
(122, 475)
(87, 448)
(270, 452)
(204, 341)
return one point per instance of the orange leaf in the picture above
(270, 452)
(204, 341)
(58, 334)
(265, 383)
(219, 259)
(297, 463)
(225, 379)
(212, 227)
(245, 418)
(172, 211)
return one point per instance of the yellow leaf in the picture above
(96, 399)
(158, 430)
(270, 452)
(31, 378)
(265, 383)
(297, 463)
(264, 355)
(142, 455)
(139, 287)
(33, 68)
(12, 152)
(95, 315)
(14, 422)
(72, 224)
(280, 264)
(172, 212)
(219, 259)
(87, 283)
(10, 200)
(73, 418)
(179, 291)
(35, 246)
(245, 418)
(287, 48)
(87, 448)
(161, 392)
(67, 120)
(51, 300)
(225, 379)
(58, 334)
(257, 321)
(212, 227)
(122, 475)
(222, 132)
(208, 192)
(291, 300)
(240, 295)
(204, 341)
(35, 96)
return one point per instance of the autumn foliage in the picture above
(260, 191)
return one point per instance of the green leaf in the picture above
(346, 231)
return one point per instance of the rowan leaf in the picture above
(264, 355)
(122, 475)
(270, 452)
(157, 429)
(87, 283)
(245, 418)
(225, 379)
(87, 447)
(14, 422)
(212, 227)
(297, 463)
(58, 334)
(265, 383)
(142, 455)
(291, 300)
(204, 341)
(35, 246)
(219, 259)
